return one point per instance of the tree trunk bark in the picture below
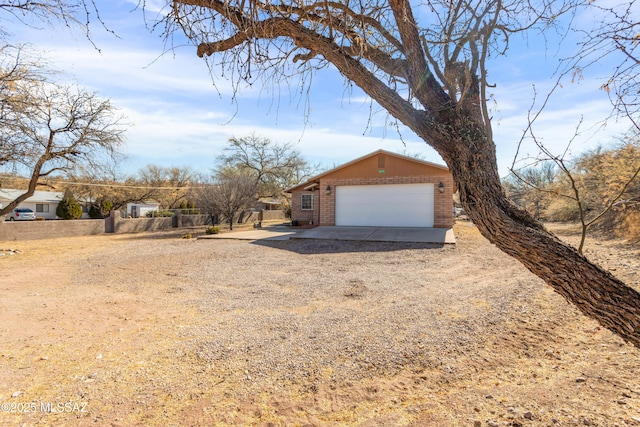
(594, 291)
(31, 188)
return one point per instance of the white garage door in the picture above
(393, 205)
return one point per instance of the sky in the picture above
(182, 116)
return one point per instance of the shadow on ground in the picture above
(320, 246)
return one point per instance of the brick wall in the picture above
(34, 230)
(194, 220)
(304, 217)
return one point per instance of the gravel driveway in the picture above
(157, 330)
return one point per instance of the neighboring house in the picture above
(379, 189)
(268, 204)
(43, 203)
(140, 210)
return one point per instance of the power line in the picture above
(94, 184)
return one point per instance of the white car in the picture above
(22, 214)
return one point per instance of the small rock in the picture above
(477, 424)
(488, 396)
(99, 356)
(528, 415)
(581, 379)
(44, 358)
(586, 422)
(492, 423)
(16, 393)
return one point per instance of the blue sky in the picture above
(179, 118)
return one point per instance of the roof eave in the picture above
(380, 151)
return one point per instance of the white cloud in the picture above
(558, 122)
(180, 118)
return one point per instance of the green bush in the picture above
(100, 210)
(94, 212)
(107, 205)
(69, 208)
(158, 214)
(213, 230)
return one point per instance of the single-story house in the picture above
(43, 203)
(380, 189)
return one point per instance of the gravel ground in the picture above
(152, 329)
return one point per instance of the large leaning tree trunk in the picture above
(432, 78)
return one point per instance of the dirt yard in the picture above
(155, 330)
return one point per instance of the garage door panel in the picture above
(393, 205)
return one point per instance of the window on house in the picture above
(307, 202)
(42, 208)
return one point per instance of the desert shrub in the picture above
(213, 230)
(629, 227)
(187, 236)
(562, 210)
(100, 209)
(532, 189)
(69, 208)
(605, 183)
(94, 212)
(158, 214)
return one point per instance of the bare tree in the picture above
(71, 13)
(108, 189)
(592, 183)
(528, 187)
(427, 67)
(614, 34)
(204, 196)
(48, 128)
(170, 185)
(227, 195)
(274, 166)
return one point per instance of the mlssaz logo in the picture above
(64, 407)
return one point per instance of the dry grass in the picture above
(152, 329)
